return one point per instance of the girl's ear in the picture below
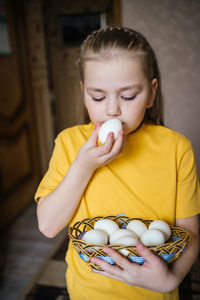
(154, 86)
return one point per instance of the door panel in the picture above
(64, 77)
(16, 163)
(19, 166)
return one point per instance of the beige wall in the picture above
(173, 29)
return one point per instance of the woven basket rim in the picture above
(173, 247)
(125, 218)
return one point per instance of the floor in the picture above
(29, 262)
(24, 251)
(50, 283)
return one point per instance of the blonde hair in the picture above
(105, 42)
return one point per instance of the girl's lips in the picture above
(123, 123)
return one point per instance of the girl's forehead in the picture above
(114, 71)
(125, 63)
(113, 53)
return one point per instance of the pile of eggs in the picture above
(107, 231)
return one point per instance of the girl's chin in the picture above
(134, 129)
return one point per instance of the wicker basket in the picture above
(169, 252)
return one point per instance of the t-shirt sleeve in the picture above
(188, 192)
(58, 166)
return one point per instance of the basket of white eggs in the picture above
(122, 234)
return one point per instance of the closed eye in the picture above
(98, 99)
(129, 98)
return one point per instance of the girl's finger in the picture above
(117, 146)
(120, 142)
(121, 261)
(113, 270)
(106, 147)
(110, 148)
(106, 274)
(94, 135)
(147, 254)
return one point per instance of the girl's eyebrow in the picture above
(129, 87)
(94, 89)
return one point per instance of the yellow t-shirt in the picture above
(154, 177)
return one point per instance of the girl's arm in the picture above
(183, 265)
(55, 211)
(154, 274)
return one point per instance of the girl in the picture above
(148, 172)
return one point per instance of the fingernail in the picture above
(139, 247)
(97, 124)
(93, 270)
(121, 132)
(106, 250)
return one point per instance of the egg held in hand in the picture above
(112, 125)
(106, 225)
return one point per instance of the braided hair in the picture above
(108, 41)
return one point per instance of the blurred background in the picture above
(40, 96)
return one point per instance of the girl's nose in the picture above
(113, 108)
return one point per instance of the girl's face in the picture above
(117, 88)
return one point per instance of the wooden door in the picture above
(64, 77)
(19, 162)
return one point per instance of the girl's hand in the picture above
(93, 156)
(153, 274)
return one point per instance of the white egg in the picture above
(109, 226)
(112, 125)
(94, 236)
(121, 233)
(162, 226)
(126, 241)
(152, 237)
(137, 226)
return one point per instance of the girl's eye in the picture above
(98, 99)
(129, 98)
